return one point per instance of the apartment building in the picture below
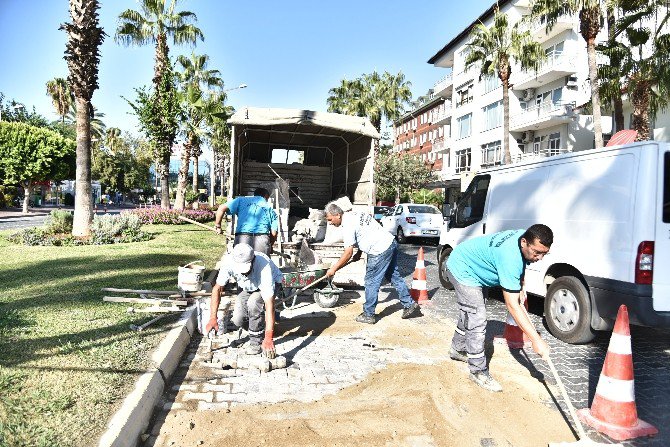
(421, 131)
(545, 116)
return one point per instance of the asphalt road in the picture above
(578, 365)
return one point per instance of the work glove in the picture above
(268, 346)
(212, 324)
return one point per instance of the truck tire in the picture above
(567, 309)
(400, 236)
(442, 268)
(326, 299)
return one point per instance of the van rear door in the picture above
(661, 278)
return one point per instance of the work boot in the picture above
(252, 349)
(410, 311)
(365, 318)
(457, 355)
(484, 380)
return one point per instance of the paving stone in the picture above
(207, 397)
(213, 406)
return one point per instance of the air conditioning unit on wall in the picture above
(571, 82)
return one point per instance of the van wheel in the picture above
(400, 236)
(567, 309)
(444, 256)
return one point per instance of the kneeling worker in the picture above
(260, 281)
(497, 259)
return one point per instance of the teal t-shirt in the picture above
(490, 260)
(254, 215)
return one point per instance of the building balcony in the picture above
(441, 145)
(539, 154)
(542, 116)
(444, 86)
(555, 67)
(538, 27)
(444, 115)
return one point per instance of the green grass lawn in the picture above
(67, 359)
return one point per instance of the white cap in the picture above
(243, 256)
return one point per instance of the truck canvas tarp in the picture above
(322, 156)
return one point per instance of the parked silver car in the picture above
(413, 220)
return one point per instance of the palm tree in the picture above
(97, 126)
(643, 60)
(82, 56)
(372, 95)
(495, 49)
(196, 75)
(154, 25)
(61, 96)
(218, 134)
(610, 75)
(590, 17)
(113, 138)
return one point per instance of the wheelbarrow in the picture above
(296, 281)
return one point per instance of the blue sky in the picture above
(288, 52)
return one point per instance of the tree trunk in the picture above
(589, 26)
(83, 200)
(27, 192)
(212, 178)
(640, 98)
(617, 102)
(195, 173)
(165, 182)
(504, 72)
(182, 180)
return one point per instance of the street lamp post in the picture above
(212, 173)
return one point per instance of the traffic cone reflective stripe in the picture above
(613, 410)
(419, 290)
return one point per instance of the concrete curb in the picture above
(132, 419)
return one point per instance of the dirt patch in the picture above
(403, 404)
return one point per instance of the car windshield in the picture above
(422, 209)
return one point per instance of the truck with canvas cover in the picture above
(609, 210)
(322, 156)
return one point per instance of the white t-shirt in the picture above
(362, 230)
(263, 276)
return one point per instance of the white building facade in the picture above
(543, 105)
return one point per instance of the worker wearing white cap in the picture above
(260, 281)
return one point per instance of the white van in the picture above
(609, 210)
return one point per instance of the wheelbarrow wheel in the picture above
(326, 299)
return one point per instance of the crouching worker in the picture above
(260, 281)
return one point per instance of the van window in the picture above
(470, 208)
(666, 188)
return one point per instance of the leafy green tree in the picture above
(158, 113)
(426, 196)
(30, 154)
(83, 56)
(641, 47)
(96, 124)
(399, 173)
(372, 95)
(61, 96)
(590, 23)
(493, 49)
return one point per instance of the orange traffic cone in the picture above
(613, 410)
(513, 335)
(419, 290)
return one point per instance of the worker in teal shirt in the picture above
(256, 220)
(498, 259)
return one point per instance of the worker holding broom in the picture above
(260, 280)
(256, 220)
(498, 259)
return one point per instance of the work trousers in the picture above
(470, 331)
(250, 305)
(384, 265)
(259, 242)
